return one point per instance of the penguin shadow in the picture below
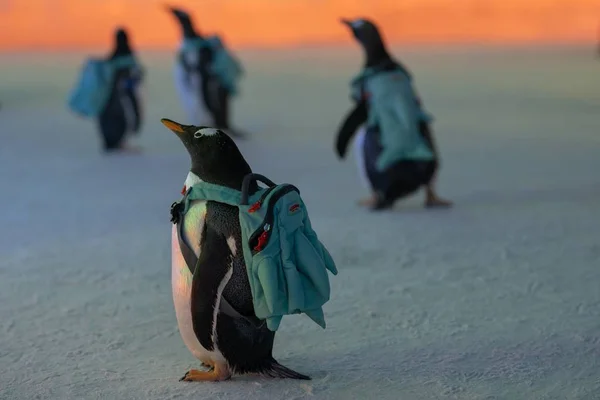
(530, 197)
(451, 370)
(419, 208)
(494, 198)
(339, 371)
(409, 205)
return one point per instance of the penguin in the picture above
(229, 342)
(406, 176)
(122, 112)
(205, 100)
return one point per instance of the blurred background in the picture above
(497, 298)
(66, 24)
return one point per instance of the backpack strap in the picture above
(253, 178)
(190, 259)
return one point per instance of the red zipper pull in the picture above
(262, 239)
(254, 207)
(183, 190)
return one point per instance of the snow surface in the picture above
(498, 298)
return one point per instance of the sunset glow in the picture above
(56, 24)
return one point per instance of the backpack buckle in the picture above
(175, 212)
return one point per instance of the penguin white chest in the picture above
(181, 279)
(359, 156)
(189, 89)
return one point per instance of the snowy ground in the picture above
(498, 298)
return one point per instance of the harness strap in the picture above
(191, 260)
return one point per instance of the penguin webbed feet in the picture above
(176, 211)
(381, 202)
(215, 374)
(192, 372)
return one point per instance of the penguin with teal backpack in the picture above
(395, 149)
(207, 76)
(243, 257)
(108, 91)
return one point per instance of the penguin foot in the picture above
(368, 202)
(379, 202)
(437, 203)
(218, 373)
(376, 202)
(131, 149)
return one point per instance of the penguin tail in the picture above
(273, 369)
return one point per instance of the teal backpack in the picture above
(225, 66)
(357, 89)
(93, 88)
(393, 107)
(286, 263)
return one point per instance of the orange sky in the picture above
(54, 24)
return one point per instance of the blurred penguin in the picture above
(395, 149)
(122, 113)
(206, 76)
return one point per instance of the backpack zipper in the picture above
(258, 204)
(260, 238)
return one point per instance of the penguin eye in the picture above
(205, 132)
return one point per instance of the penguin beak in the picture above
(175, 11)
(346, 22)
(173, 126)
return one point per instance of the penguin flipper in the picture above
(354, 119)
(213, 270)
(218, 373)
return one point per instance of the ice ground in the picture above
(496, 299)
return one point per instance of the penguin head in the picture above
(121, 43)
(178, 12)
(367, 34)
(121, 36)
(214, 155)
(185, 21)
(364, 30)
